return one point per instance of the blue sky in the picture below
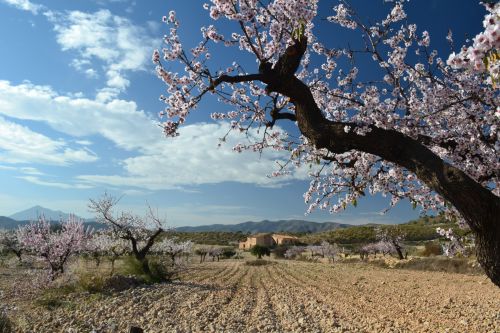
(79, 104)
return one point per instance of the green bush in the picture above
(161, 270)
(259, 251)
(228, 252)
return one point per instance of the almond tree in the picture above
(55, 247)
(98, 246)
(10, 242)
(173, 249)
(329, 251)
(391, 240)
(294, 252)
(215, 252)
(141, 232)
(424, 130)
(202, 252)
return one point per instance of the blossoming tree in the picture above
(424, 130)
(54, 246)
(9, 241)
(140, 232)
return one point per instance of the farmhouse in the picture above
(266, 239)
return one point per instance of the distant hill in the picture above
(293, 226)
(9, 224)
(34, 212)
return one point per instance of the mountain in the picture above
(300, 226)
(8, 223)
(33, 213)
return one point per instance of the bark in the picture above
(479, 206)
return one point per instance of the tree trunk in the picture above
(112, 266)
(399, 252)
(144, 263)
(479, 206)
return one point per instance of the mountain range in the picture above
(296, 226)
(301, 226)
(31, 214)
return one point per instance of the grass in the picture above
(53, 298)
(5, 323)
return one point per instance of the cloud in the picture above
(31, 171)
(19, 144)
(38, 181)
(24, 5)
(117, 120)
(192, 159)
(114, 40)
(189, 160)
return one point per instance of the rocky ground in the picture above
(285, 296)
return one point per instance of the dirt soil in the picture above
(285, 296)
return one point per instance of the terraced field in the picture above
(285, 296)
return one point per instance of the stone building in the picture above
(267, 239)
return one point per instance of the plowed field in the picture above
(285, 296)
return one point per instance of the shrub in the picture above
(432, 249)
(228, 252)
(91, 282)
(160, 271)
(280, 250)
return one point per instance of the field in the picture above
(282, 296)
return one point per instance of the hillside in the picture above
(422, 229)
(290, 226)
(8, 223)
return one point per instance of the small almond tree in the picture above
(392, 238)
(173, 249)
(202, 252)
(9, 241)
(141, 232)
(55, 246)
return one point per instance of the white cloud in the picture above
(38, 181)
(24, 5)
(19, 144)
(191, 159)
(112, 39)
(31, 171)
(117, 120)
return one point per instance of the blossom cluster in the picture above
(455, 245)
(484, 44)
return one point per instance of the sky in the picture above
(79, 115)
